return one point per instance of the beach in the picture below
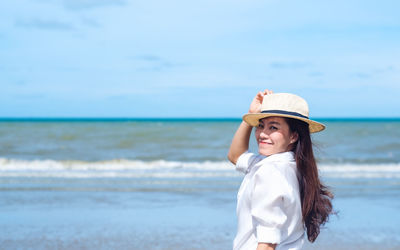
(166, 184)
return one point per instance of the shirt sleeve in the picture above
(246, 161)
(267, 204)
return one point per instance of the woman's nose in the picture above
(263, 134)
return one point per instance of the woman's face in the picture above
(273, 136)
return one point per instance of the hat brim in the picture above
(253, 120)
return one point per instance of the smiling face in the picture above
(273, 136)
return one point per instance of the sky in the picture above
(121, 58)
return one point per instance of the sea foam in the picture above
(168, 169)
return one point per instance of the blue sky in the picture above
(104, 58)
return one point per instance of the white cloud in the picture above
(44, 24)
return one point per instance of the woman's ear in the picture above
(294, 137)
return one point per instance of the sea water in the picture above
(166, 183)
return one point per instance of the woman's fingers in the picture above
(260, 96)
(255, 106)
(268, 92)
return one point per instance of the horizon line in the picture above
(116, 119)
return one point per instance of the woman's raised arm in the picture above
(240, 141)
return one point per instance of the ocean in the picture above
(167, 184)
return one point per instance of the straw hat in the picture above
(284, 105)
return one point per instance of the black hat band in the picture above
(282, 112)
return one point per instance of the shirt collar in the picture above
(284, 156)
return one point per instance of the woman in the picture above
(281, 196)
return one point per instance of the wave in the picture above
(169, 169)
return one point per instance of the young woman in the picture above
(281, 196)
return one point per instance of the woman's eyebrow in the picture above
(273, 123)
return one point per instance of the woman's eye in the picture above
(273, 128)
(260, 125)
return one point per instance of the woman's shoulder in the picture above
(278, 162)
(270, 170)
(247, 160)
(278, 171)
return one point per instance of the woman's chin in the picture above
(264, 152)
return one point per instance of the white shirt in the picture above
(269, 206)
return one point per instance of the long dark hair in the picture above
(315, 198)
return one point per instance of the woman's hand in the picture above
(266, 246)
(255, 106)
